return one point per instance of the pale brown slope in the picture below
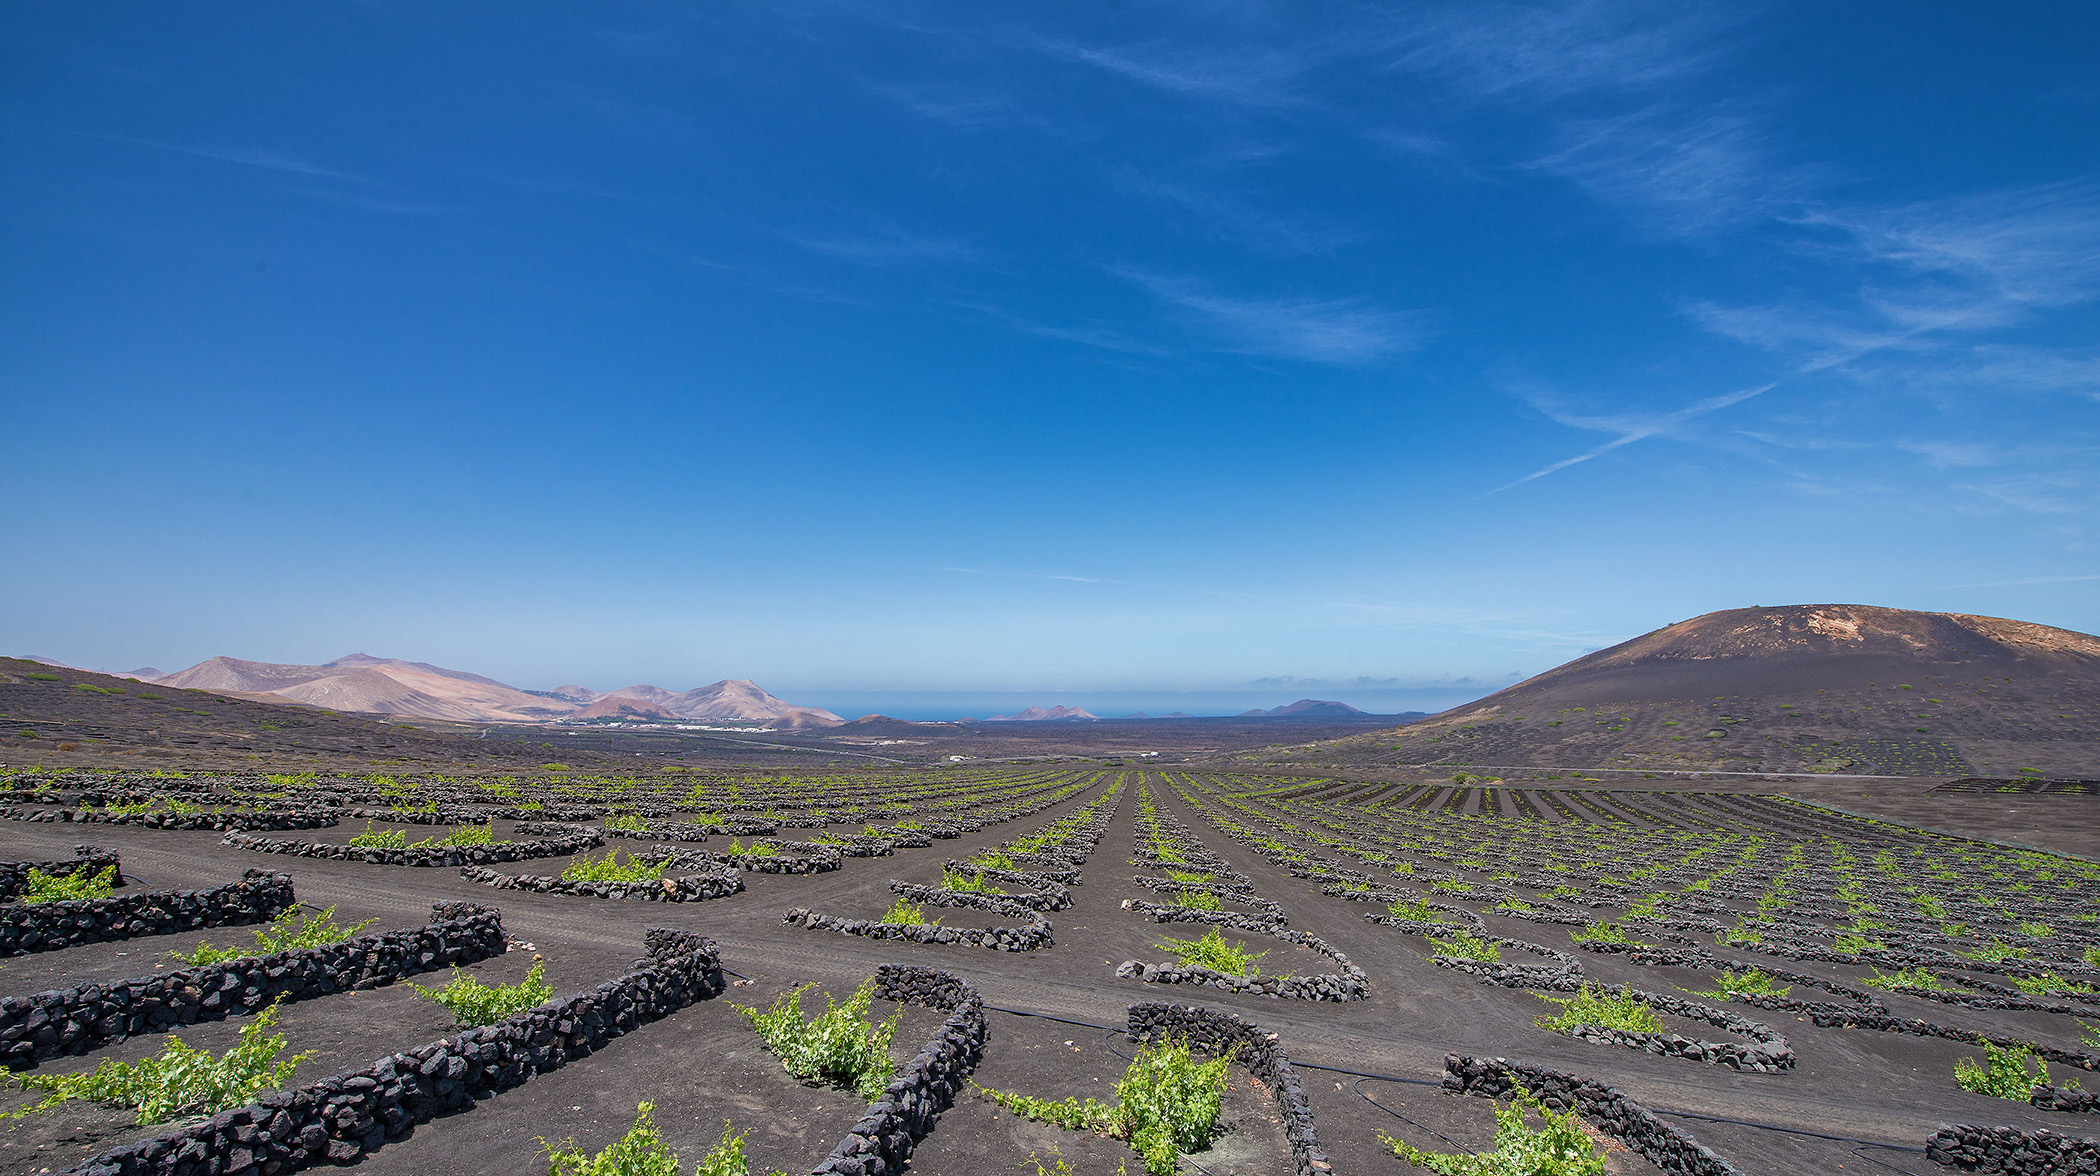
(742, 698)
(373, 685)
(1802, 687)
(64, 717)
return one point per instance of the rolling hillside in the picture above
(1799, 688)
(365, 684)
(62, 717)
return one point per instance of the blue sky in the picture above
(931, 355)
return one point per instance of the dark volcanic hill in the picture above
(1306, 708)
(1818, 688)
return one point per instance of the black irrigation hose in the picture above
(1357, 1086)
(1861, 1153)
(1361, 1075)
(1793, 1131)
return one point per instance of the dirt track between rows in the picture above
(699, 1065)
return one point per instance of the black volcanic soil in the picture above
(701, 1068)
(1175, 740)
(1842, 689)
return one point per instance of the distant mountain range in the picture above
(364, 684)
(1304, 708)
(1055, 714)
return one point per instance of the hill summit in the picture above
(1840, 688)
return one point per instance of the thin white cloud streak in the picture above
(1346, 331)
(1282, 234)
(1532, 53)
(1630, 430)
(1033, 575)
(891, 247)
(1263, 77)
(248, 157)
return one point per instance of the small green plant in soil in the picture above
(643, 1152)
(1167, 1103)
(838, 1047)
(1745, 936)
(1188, 877)
(80, 884)
(1559, 1147)
(1418, 909)
(473, 1003)
(2005, 1073)
(1197, 900)
(2089, 1033)
(1750, 982)
(380, 839)
(1061, 1167)
(1856, 944)
(1213, 952)
(993, 859)
(908, 914)
(1464, 945)
(755, 849)
(1600, 933)
(628, 823)
(968, 881)
(183, 1080)
(287, 932)
(611, 869)
(1906, 979)
(464, 835)
(1600, 1007)
(2048, 984)
(1995, 952)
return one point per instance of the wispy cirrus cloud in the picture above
(1629, 428)
(1688, 175)
(1932, 282)
(1537, 53)
(890, 246)
(254, 157)
(1259, 74)
(1276, 232)
(1033, 575)
(1333, 330)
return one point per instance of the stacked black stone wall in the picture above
(1259, 1052)
(1604, 1107)
(719, 883)
(2009, 1149)
(1029, 936)
(882, 1142)
(338, 1120)
(429, 855)
(259, 819)
(2065, 1098)
(70, 1021)
(14, 876)
(258, 897)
